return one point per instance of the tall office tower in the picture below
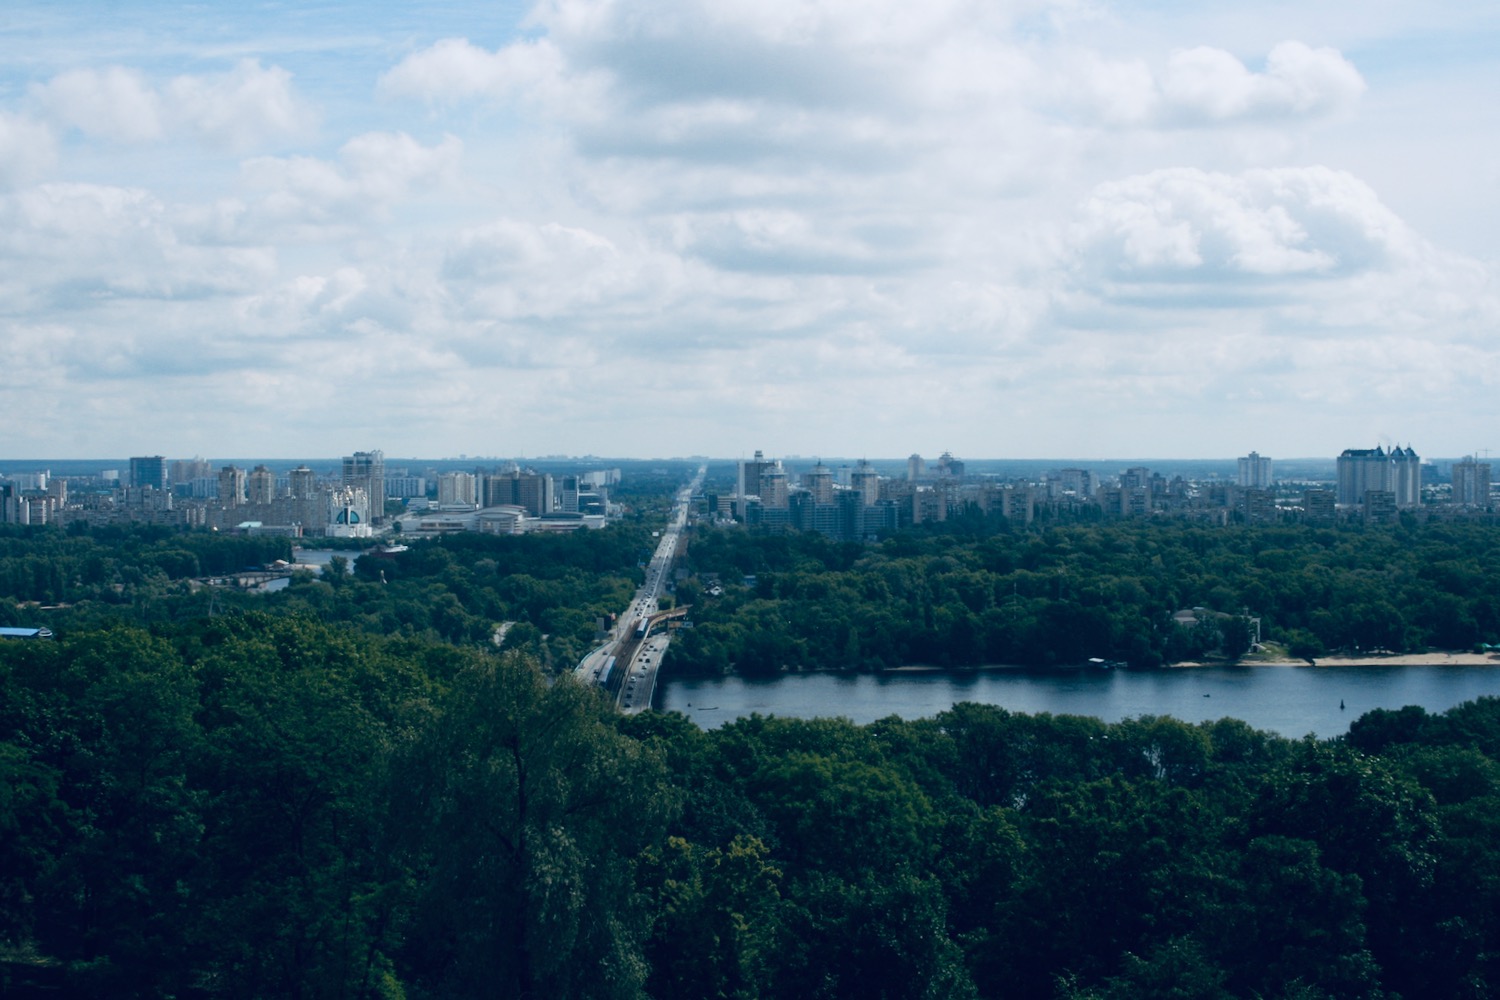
(567, 494)
(365, 470)
(303, 483)
(915, 468)
(231, 486)
(260, 485)
(749, 482)
(1135, 477)
(456, 489)
(1471, 483)
(750, 473)
(866, 480)
(1255, 472)
(149, 470)
(819, 482)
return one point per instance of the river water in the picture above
(1292, 701)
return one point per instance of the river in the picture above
(1292, 701)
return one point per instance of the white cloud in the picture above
(1190, 224)
(242, 108)
(27, 150)
(69, 246)
(1207, 85)
(236, 109)
(456, 69)
(115, 103)
(374, 172)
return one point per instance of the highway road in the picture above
(637, 677)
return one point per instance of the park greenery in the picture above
(349, 788)
(973, 593)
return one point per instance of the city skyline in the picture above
(1033, 229)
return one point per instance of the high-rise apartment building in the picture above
(231, 486)
(149, 470)
(1079, 482)
(260, 485)
(1255, 472)
(457, 489)
(773, 489)
(365, 470)
(947, 465)
(1319, 506)
(187, 469)
(915, 468)
(302, 482)
(819, 482)
(866, 481)
(1471, 483)
(1398, 472)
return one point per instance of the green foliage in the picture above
(1070, 592)
(347, 789)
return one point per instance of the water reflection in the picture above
(1292, 701)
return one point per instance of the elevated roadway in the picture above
(637, 651)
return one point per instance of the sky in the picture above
(1001, 228)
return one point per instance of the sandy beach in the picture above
(1428, 659)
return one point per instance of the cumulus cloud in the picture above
(246, 106)
(113, 103)
(1191, 224)
(456, 69)
(372, 173)
(27, 149)
(237, 109)
(1206, 85)
(73, 246)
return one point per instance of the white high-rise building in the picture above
(1255, 472)
(457, 489)
(1362, 470)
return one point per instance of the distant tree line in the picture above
(258, 804)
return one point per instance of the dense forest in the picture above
(969, 594)
(258, 805)
(552, 589)
(350, 788)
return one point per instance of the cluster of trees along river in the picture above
(973, 593)
(346, 788)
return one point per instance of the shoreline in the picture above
(1429, 659)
